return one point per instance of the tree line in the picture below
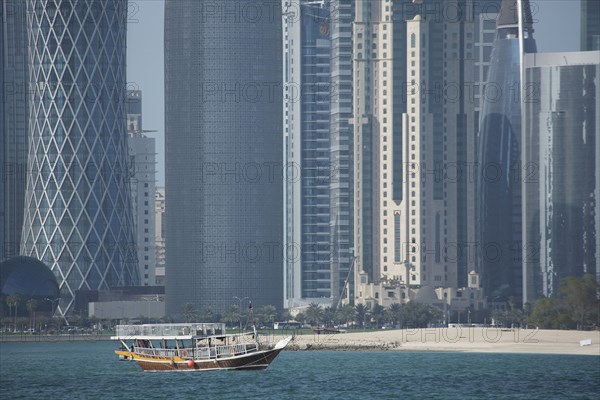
(576, 306)
(410, 315)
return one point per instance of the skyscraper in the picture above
(561, 220)
(2, 130)
(590, 25)
(160, 237)
(142, 155)
(14, 124)
(341, 182)
(307, 128)
(499, 177)
(78, 209)
(224, 153)
(414, 147)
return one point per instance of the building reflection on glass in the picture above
(562, 142)
(499, 180)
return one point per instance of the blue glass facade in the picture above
(341, 187)
(562, 141)
(315, 134)
(78, 208)
(499, 178)
(2, 130)
(224, 153)
(30, 279)
(590, 25)
(13, 124)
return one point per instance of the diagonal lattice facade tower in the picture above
(78, 208)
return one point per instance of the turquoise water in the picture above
(91, 371)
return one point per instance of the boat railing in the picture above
(199, 353)
(166, 330)
(159, 352)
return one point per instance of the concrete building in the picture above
(77, 206)
(142, 166)
(159, 242)
(224, 153)
(561, 219)
(415, 146)
(14, 122)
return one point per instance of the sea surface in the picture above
(90, 370)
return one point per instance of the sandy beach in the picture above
(461, 339)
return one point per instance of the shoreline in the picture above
(456, 339)
(453, 339)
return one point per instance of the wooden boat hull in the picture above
(252, 361)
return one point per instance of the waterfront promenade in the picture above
(452, 339)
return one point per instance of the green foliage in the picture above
(576, 307)
(393, 313)
(329, 316)
(417, 315)
(346, 314)
(266, 315)
(189, 312)
(378, 315)
(361, 314)
(314, 314)
(206, 315)
(231, 315)
(300, 317)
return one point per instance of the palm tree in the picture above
(285, 316)
(314, 313)
(378, 314)
(347, 314)
(13, 300)
(31, 307)
(329, 316)
(189, 311)
(394, 312)
(300, 317)
(361, 314)
(268, 313)
(231, 315)
(206, 315)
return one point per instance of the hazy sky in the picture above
(556, 29)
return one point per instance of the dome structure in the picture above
(426, 295)
(28, 278)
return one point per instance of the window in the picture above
(413, 41)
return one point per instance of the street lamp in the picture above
(53, 309)
(240, 300)
(52, 304)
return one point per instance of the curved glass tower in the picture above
(224, 151)
(499, 180)
(78, 209)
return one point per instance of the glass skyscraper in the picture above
(499, 177)
(13, 123)
(224, 154)
(561, 220)
(341, 184)
(2, 129)
(590, 25)
(78, 210)
(307, 125)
